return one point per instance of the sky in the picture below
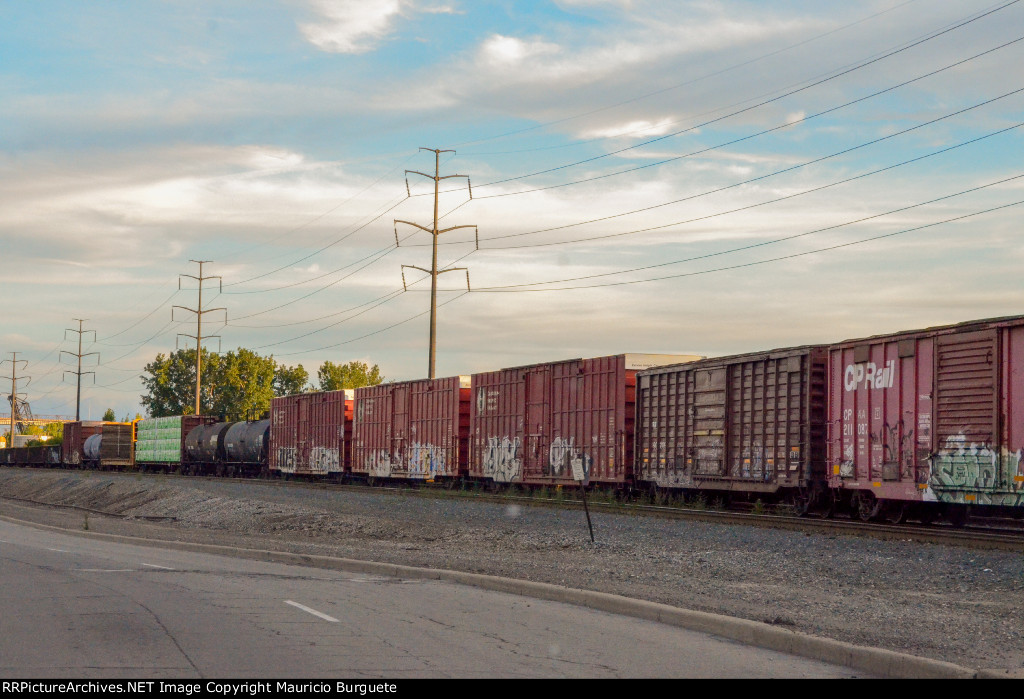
(687, 177)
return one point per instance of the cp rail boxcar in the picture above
(310, 433)
(532, 424)
(412, 429)
(752, 424)
(929, 416)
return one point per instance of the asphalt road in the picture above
(84, 608)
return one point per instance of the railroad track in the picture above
(971, 536)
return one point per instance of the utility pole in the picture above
(434, 232)
(13, 398)
(199, 313)
(78, 393)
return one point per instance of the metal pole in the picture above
(14, 396)
(199, 336)
(433, 269)
(583, 493)
(78, 391)
(434, 233)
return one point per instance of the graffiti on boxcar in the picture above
(286, 459)
(427, 461)
(324, 460)
(959, 464)
(752, 464)
(563, 456)
(502, 461)
(378, 464)
(895, 441)
(969, 473)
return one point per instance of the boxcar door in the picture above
(538, 418)
(707, 427)
(966, 408)
(400, 436)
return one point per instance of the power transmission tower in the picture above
(199, 312)
(16, 403)
(434, 232)
(78, 393)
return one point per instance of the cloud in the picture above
(351, 26)
(357, 26)
(635, 129)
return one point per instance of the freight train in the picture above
(917, 424)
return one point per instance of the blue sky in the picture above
(600, 136)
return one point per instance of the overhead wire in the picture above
(770, 174)
(510, 289)
(770, 242)
(604, 236)
(858, 66)
(677, 86)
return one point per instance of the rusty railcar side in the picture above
(532, 424)
(75, 434)
(929, 416)
(310, 433)
(752, 423)
(412, 429)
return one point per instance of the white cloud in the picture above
(351, 26)
(357, 26)
(507, 51)
(638, 128)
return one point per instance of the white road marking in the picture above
(58, 550)
(311, 611)
(105, 570)
(150, 565)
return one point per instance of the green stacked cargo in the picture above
(158, 440)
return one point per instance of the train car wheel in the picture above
(868, 506)
(895, 512)
(801, 503)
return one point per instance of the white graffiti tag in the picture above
(378, 464)
(563, 455)
(324, 460)
(427, 461)
(501, 459)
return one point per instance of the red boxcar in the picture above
(534, 424)
(75, 434)
(929, 415)
(752, 423)
(412, 429)
(310, 433)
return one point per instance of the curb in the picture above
(875, 661)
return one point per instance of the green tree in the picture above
(243, 384)
(289, 380)
(109, 416)
(351, 375)
(171, 383)
(236, 385)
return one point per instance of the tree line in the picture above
(239, 384)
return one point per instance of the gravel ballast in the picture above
(948, 603)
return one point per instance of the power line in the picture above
(750, 264)
(765, 243)
(773, 173)
(755, 106)
(741, 208)
(677, 85)
(779, 127)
